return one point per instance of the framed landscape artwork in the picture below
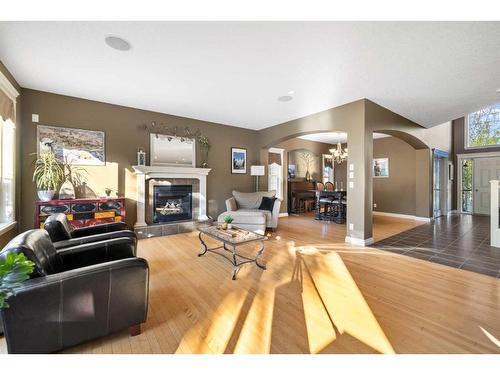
(381, 167)
(76, 146)
(238, 160)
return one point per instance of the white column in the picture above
(141, 200)
(203, 200)
(494, 230)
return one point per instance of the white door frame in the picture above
(280, 151)
(460, 158)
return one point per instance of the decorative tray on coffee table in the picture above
(233, 235)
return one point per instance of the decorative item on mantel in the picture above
(172, 131)
(205, 146)
(141, 156)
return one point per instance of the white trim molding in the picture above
(8, 88)
(4, 228)
(359, 241)
(283, 214)
(472, 155)
(403, 216)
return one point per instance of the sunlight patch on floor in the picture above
(343, 300)
(320, 331)
(492, 338)
(258, 324)
(219, 327)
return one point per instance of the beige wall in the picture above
(396, 193)
(122, 140)
(7, 236)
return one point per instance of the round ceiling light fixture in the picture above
(285, 98)
(117, 43)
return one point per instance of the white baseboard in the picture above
(359, 241)
(426, 219)
(402, 216)
(283, 214)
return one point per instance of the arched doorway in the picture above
(421, 165)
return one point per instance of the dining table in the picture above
(336, 194)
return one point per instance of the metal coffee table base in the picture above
(232, 256)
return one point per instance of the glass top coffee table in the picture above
(231, 239)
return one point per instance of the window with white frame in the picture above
(7, 157)
(483, 127)
(8, 95)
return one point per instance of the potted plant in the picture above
(228, 220)
(48, 175)
(205, 146)
(14, 269)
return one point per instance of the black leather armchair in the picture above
(74, 294)
(63, 234)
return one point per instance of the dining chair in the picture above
(324, 202)
(329, 186)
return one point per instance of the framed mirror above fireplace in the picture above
(172, 151)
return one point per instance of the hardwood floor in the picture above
(318, 295)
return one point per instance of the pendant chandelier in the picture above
(338, 154)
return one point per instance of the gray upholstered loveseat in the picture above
(244, 208)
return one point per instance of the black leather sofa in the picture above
(63, 234)
(74, 294)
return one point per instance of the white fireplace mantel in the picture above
(145, 172)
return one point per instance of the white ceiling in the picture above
(233, 73)
(334, 137)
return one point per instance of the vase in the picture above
(45, 195)
(67, 190)
(229, 226)
(308, 176)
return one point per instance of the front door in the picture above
(485, 169)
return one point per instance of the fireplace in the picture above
(170, 220)
(172, 203)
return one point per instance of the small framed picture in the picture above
(238, 160)
(381, 167)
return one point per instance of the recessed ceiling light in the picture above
(118, 43)
(285, 98)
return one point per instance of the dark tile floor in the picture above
(460, 241)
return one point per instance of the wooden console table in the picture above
(82, 212)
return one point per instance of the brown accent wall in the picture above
(122, 140)
(395, 193)
(6, 237)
